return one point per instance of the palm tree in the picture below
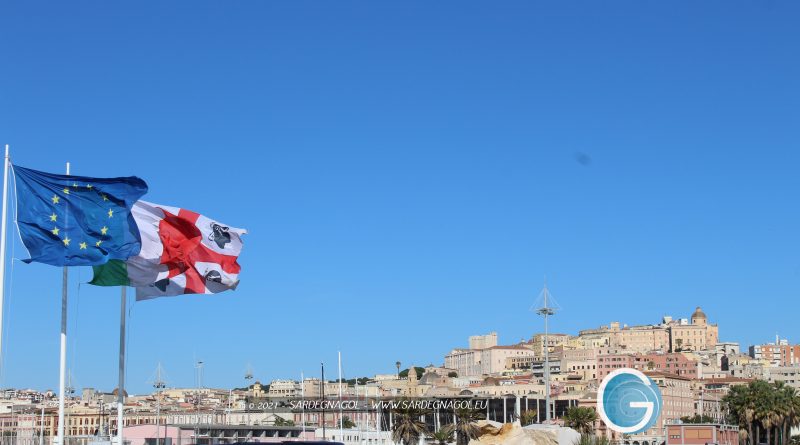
(408, 429)
(466, 429)
(581, 418)
(444, 435)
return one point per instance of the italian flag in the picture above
(182, 252)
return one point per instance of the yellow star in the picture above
(105, 198)
(104, 230)
(66, 190)
(89, 186)
(66, 241)
(82, 245)
(55, 199)
(75, 184)
(111, 213)
(98, 243)
(54, 231)
(53, 217)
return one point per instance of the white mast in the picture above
(62, 369)
(341, 419)
(546, 310)
(303, 405)
(3, 248)
(121, 387)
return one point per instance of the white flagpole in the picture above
(121, 387)
(341, 419)
(3, 248)
(303, 405)
(62, 371)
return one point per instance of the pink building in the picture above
(672, 363)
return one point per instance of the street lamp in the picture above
(248, 377)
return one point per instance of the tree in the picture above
(763, 408)
(280, 421)
(417, 369)
(444, 435)
(466, 429)
(581, 419)
(452, 374)
(528, 417)
(408, 427)
(697, 418)
(591, 439)
(347, 423)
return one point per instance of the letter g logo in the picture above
(628, 401)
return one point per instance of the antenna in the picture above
(159, 382)
(547, 309)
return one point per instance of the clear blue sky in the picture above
(409, 171)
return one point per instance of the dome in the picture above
(698, 313)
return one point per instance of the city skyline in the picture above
(331, 371)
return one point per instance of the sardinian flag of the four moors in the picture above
(182, 253)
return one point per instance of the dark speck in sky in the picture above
(583, 159)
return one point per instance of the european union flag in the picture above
(75, 220)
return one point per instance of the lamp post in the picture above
(248, 377)
(159, 385)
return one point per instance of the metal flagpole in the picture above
(62, 371)
(121, 387)
(322, 395)
(303, 397)
(3, 248)
(341, 419)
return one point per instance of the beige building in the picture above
(669, 336)
(492, 360)
(697, 336)
(483, 341)
(536, 344)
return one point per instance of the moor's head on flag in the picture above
(76, 220)
(183, 252)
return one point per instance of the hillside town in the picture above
(684, 356)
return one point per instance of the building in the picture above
(702, 434)
(678, 398)
(780, 353)
(669, 336)
(680, 364)
(537, 345)
(699, 335)
(789, 375)
(283, 388)
(483, 341)
(475, 362)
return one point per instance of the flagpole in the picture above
(121, 387)
(3, 248)
(62, 371)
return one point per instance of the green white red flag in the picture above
(182, 252)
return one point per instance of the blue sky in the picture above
(410, 171)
